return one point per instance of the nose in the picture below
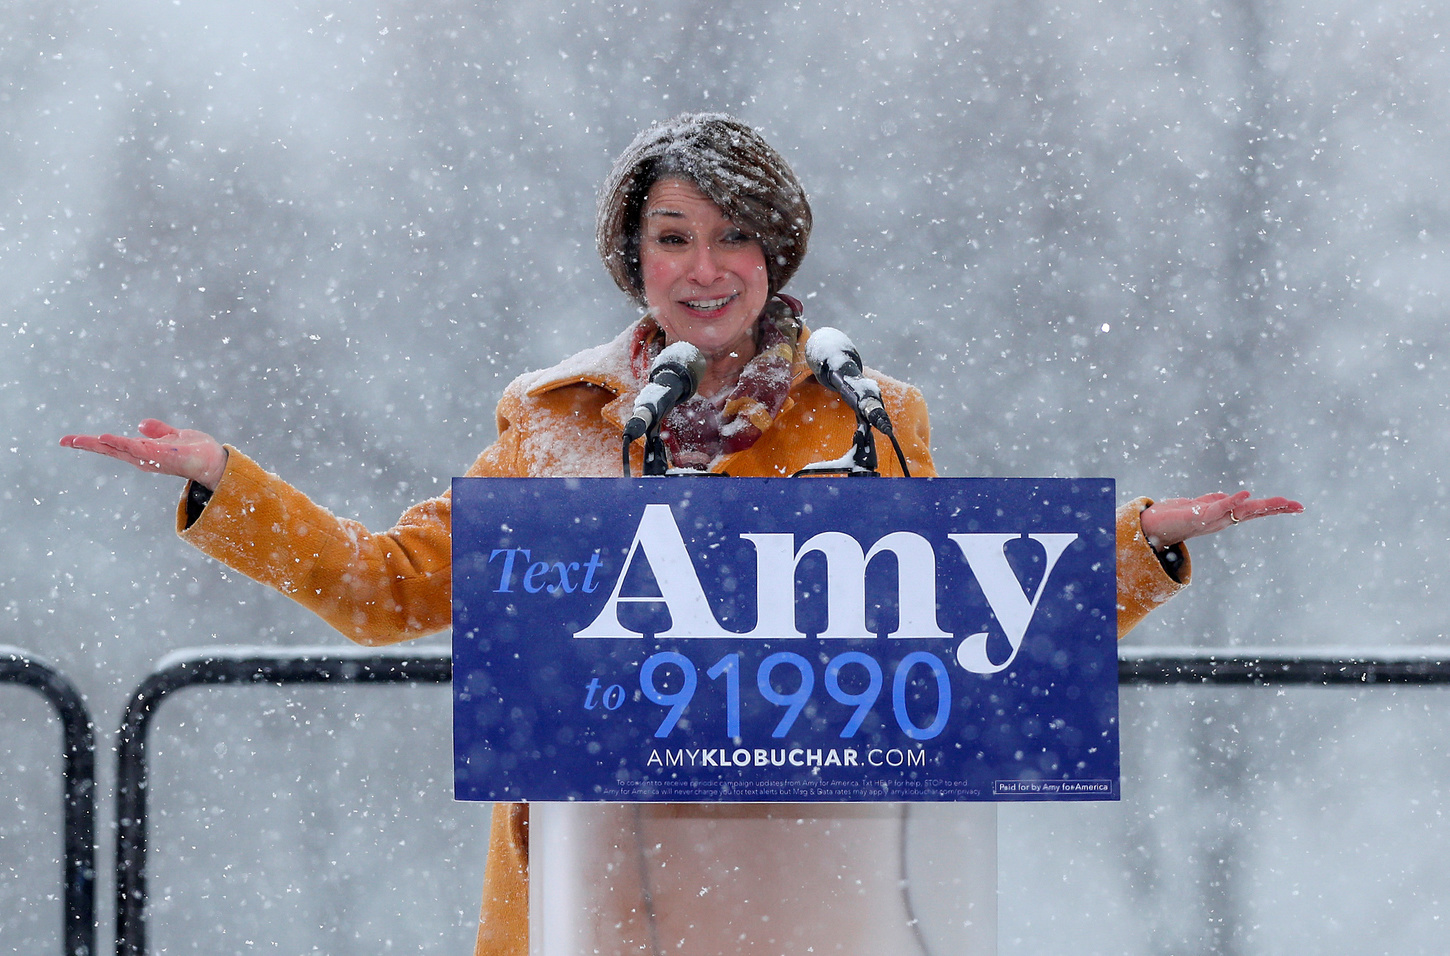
(705, 265)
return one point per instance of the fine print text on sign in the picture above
(760, 639)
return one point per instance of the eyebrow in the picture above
(664, 212)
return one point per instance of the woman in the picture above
(702, 224)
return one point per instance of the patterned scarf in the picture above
(698, 432)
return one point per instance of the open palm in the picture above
(161, 448)
(1172, 520)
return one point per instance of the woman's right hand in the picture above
(184, 452)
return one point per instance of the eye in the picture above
(737, 237)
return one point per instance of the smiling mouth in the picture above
(710, 305)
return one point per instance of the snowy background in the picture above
(1190, 245)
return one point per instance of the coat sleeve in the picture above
(375, 588)
(1143, 581)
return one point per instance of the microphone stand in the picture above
(863, 448)
(859, 463)
(656, 458)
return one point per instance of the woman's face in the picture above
(704, 278)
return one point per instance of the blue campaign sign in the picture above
(775, 639)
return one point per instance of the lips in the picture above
(710, 305)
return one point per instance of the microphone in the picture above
(837, 365)
(673, 378)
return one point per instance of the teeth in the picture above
(709, 305)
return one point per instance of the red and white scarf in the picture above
(699, 431)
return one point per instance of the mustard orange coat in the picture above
(560, 422)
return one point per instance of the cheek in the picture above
(654, 277)
(655, 273)
(748, 263)
(752, 269)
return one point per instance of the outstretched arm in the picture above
(1174, 520)
(184, 452)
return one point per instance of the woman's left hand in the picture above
(1174, 520)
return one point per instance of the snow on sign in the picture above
(762, 639)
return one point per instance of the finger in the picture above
(100, 444)
(93, 443)
(141, 452)
(1209, 510)
(111, 445)
(115, 442)
(81, 442)
(155, 428)
(1231, 507)
(1282, 504)
(1269, 506)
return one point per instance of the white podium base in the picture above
(763, 879)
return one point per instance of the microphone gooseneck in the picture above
(837, 366)
(673, 377)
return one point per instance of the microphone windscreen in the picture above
(685, 356)
(826, 346)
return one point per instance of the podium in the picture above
(774, 716)
(762, 878)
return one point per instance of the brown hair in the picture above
(732, 165)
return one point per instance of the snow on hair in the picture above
(732, 165)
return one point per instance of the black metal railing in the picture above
(214, 667)
(78, 801)
(273, 667)
(1428, 665)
